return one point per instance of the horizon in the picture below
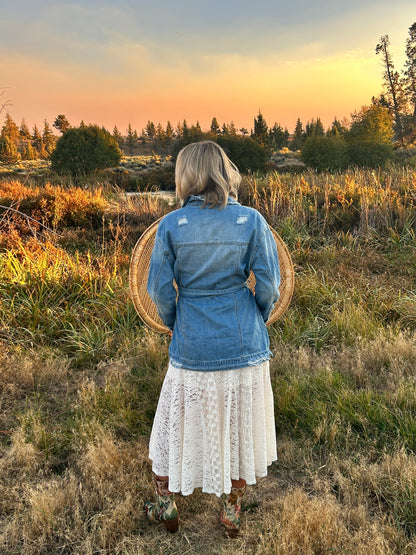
(131, 63)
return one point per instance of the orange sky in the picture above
(110, 76)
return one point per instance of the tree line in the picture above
(19, 143)
(367, 139)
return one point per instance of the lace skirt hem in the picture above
(212, 427)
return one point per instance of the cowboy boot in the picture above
(230, 515)
(164, 510)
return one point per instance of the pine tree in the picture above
(393, 84)
(160, 134)
(118, 136)
(319, 128)
(8, 150)
(337, 129)
(142, 137)
(29, 153)
(410, 72)
(215, 128)
(277, 137)
(179, 130)
(185, 130)
(38, 142)
(24, 130)
(314, 128)
(260, 134)
(195, 133)
(150, 130)
(130, 140)
(298, 136)
(169, 131)
(61, 123)
(48, 138)
(10, 130)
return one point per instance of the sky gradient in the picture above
(112, 63)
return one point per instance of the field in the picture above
(80, 375)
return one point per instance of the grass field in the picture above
(80, 375)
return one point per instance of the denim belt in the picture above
(184, 292)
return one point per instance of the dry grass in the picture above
(357, 200)
(315, 500)
(80, 377)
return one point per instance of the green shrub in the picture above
(370, 154)
(246, 154)
(84, 150)
(325, 153)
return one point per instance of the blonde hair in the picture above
(204, 169)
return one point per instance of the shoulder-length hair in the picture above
(204, 169)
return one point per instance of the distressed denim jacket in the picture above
(217, 322)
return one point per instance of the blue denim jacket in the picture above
(217, 322)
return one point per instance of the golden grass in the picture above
(80, 377)
(355, 200)
(309, 504)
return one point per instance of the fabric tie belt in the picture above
(184, 292)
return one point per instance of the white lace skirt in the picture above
(211, 427)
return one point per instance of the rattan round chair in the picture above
(139, 271)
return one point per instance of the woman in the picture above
(214, 425)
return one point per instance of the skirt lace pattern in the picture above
(211, 427)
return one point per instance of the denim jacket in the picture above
(217, 322)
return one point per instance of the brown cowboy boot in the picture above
(230, 515)
(164, 510)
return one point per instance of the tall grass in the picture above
(80, 376)
(357, 201)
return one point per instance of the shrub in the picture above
(370, 154)
(325, 153)
(246, 154)
(84, 150)
(405, 156)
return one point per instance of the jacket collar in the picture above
(198, 200)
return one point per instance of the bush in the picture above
(325, 153)
(405, 156)
(246, 154)
(370, 154)
(85, 149)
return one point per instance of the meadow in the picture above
(80, 374)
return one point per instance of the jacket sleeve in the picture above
(266, 269)
(160, 282)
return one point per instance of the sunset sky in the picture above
(112, 63)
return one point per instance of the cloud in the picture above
(134, 60)
(62, 32)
